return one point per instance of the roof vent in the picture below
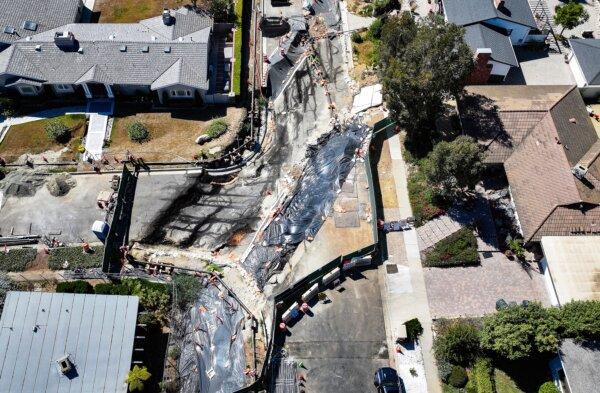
(65, 40)
(65, 365)
(28, 38)
(9, 30)
(167, 49)
(180, 39)
(29, 25)
(145, 49)
(123, 48)
(111, 37)
(579, 171)
(153, 37)
(80, 50)
(38, 48)
(166, 17)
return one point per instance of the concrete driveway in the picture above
(540, 68)
(344, 342)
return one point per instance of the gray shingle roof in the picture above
(46, 14)
(587, 52)
(103, 60)
(581, 363)
(480, 36)
(96, 331)
(467, 12)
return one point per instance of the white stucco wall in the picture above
(499, 68)
(576, 70)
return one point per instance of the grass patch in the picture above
(31, 138)
(128, 11)
(63, 169)
(237, 48)
(367, 51)
(76, 258)
(458, 249)
(504, 383)
(426, 203)
(17, 259)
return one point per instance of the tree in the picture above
(580, 320)
(458, 344)
(422, 64)
(454, 165)
(518, 332)
(138, 132)
(570, 15)
(136, 378)
(57, 131)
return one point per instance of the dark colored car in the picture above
(386, 380)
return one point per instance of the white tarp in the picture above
(368, 97)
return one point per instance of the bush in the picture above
(458, 249)
(138, 132)
(187, 289)
(458, 344)
(78, 286)
(217, 128)
(548, 387)
(154, 298)
(375, 29)
(17, 259)
(425, 201)
(76, 258)
(579, 320)
(356, 37)
(458, 377)
(444, 370)
(58, 131)
(8, 107)
(381, 7)
(482, 375)
(111, 289)
(413, 329)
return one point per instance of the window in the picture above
(27, 90)
(181, 93)
(63, 87)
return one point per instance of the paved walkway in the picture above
(404, 294)
(94, 140)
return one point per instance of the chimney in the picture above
(483, 69)
(65, 40)
(166, 17)
(499, 4)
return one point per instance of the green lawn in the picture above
(31, 138)
(237, 48)
(504, 383)
(76, 258)
(129, 11)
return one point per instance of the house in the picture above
(22, 18)
(166, 56)
(492, 27)
(580, 366)
(543, 138)
(584, 61)
(64, 342)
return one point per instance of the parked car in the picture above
(386, 380)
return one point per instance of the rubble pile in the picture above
(22, 183)
(60, 184)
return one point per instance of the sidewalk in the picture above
(404, 294)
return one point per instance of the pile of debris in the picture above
(22, 183)
(60, 184)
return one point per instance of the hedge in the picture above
(111, 289)
(482, 374)
(76, 258)
(237, 48)
(458, 377)
(458, 249)
(78, 286)
(17, 259)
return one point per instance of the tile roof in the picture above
(115, 54)
(46, 14)
(467, 12)
(581, 363)
(587, 52)
(539, 145)
(480, 36)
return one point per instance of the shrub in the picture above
(154, 298)
(381, 7)
(458, 344)
(136, 378)
(444, 370)
(356, 37)
(425, 200)
(76, 258)
(17, 259)
(458, 377)
(217, 128)
(57, 131)
(482, 374)
(413, 329)
(458, 249)
(78, 286)
(548, 387)
(579, 320)
(516, 246)
(8, 107)
(111, 289)
(138, 132)
(375, 29)
(187, 289)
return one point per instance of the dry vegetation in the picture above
(127, 11)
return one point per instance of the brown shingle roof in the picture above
(540, 133)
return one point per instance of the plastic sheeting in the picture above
(328, 166)
(212, 350)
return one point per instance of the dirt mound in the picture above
(60, 184)
(22, 183)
